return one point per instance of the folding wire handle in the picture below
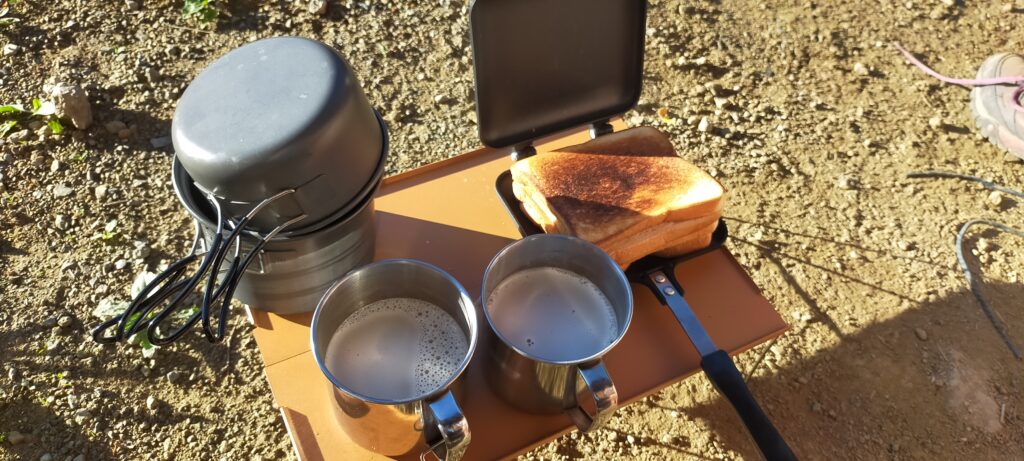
(173, 282)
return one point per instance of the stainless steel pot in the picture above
(279, 114)
(290, 274)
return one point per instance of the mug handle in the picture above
(455, 435)
(606, 398)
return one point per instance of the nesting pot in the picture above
(283, 113)
(291, 273)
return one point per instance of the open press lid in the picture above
(544, 66)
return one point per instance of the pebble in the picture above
(120, 264)
(704, 126)
(71, 103)
(151, 403)
(11, 49)
(55, 166)
(317, 7)
(996, 199)
(846, 182)
(630, 439)
(46, 457)
(174, 376)
(49, 322)
(921, 334)
(935, 123)
(81, 416)
(15, 438)
(12, 374)
(612, 436)
(61, 190)
(100, 192)
(61, 222)
(18, 136)
(131, 5)
(65, 321)
(79, 458)
(667, 439)
(860, 69)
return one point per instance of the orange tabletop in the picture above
(448, 214)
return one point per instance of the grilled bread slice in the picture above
(615, 186)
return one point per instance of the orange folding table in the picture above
(448, 214)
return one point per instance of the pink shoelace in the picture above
(1018, 80)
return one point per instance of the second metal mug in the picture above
(431, 423)
(544, 386)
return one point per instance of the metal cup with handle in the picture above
(522, 375)
(430, 422)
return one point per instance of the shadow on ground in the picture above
(938, 368)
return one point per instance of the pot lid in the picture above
(543, 66)
(270, 115)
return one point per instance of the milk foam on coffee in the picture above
(553, 314)
(396, 349)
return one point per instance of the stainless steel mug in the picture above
(537, 385)
(430, 423)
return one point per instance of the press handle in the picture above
(722, 372)
(606, 398)
(455, 435)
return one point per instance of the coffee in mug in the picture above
(553, 313)
(396, 349)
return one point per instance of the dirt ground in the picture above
(812, 122)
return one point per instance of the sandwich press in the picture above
(545, 67)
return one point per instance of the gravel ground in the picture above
(800, 108)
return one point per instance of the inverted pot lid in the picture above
(543, 66)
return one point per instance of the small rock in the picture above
(61, 222)
(985, 245)
(71, 103)
(131, 5)
(46, 457)
(317, 7)
(722, 103)
(100, 191)
(803, 380)
(630, 439)
(82, 416)
(667, 439)
(125, 133)
(704, 126)
(612, 436)
(141, 250)
(816, 407)
(174, 376)
(61, 190)
(161, 142)
(861, 69)
(18, 136)
(79, 458)
(120, 264)
(996, 199)
(151, 403)
(11, 49)
(55, 166)
(921, 334)
(935, 123)
(50, 322)
(65, 321)
(114, 126)
(847, 182)
(12, 374)
(16, 438)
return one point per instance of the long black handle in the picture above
(723, 374)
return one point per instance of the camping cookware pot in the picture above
(277, 156)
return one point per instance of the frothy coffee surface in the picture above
(553, 314)
(396, 349)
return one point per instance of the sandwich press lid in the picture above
(543, 66)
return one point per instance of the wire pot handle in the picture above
(174, 283)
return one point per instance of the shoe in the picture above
(995, 98)
(993, 106)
